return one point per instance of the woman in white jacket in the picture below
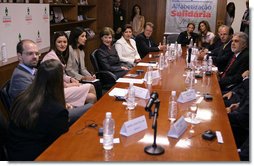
(126, 46)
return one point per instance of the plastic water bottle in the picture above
(4, 53)
(210, 64)
(172, 107)
(164, 42)
(108, 131)
(191, 43)
(131, 97)
(149, 78)
(161, 62)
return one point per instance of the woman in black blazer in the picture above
(185, 37)
(38, 115)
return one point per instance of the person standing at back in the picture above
(119, 19)
(245, 20)
(137, 20)
(230, 14)
(144, 42)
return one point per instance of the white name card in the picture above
(186, 96)
(141, 92)
(178, 128)
(134, 126)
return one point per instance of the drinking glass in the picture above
(193, 109)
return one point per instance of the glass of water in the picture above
(193, 112)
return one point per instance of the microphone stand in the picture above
(189, 59)
(154, 149)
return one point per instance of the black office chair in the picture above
(4, 121)
(107, 78)
(4, 96)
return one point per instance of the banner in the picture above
(180, 12)
(24, 21)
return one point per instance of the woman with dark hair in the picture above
(230, 14)
(76, 94)
(76, 62)
(185, 37)
(38, 114)
(205, 38)
(137, 20)
(126, 47)
(107, 56)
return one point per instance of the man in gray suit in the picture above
(23, 75)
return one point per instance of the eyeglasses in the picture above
(32, 53)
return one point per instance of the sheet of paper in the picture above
(118, 92)
(147, 64)
(128, 80)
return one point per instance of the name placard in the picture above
(141, 92)
(186, 96)
(133, 126)
(178, 128)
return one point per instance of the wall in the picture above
(154, 11)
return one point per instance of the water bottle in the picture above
(210, 64)
(191, 43)
(4, 53)
(172, 107)
(164, 42)
(176, 50)
(131, 97)
(149, 78)
(108, 131)
(161, 62)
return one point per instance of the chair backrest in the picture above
(4, 96)
(4, 121)
(94, 61)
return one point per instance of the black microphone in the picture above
(189, 55)
(153, 97)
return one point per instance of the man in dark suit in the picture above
(144, 42)
(221, 52)
(119, 19)
(232, 75)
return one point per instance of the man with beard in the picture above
(23, 75)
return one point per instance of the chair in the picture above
(4, 96)
(172, 37)
(3, 135)
(107, 78)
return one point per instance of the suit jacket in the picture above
(143, 45)
(76, 66)
(125, 52)
(27, 144)
(20, 80)
(234, 74)
(183, 38)
(222, 56)
(119, 20)
(109, 60)
(244, 27)
(52, 55)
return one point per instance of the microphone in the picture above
(153, 97)
(189, 55)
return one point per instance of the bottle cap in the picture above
(173, 93)
(108, 114)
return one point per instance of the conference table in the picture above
(82, 142)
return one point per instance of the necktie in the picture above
(230, 64)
